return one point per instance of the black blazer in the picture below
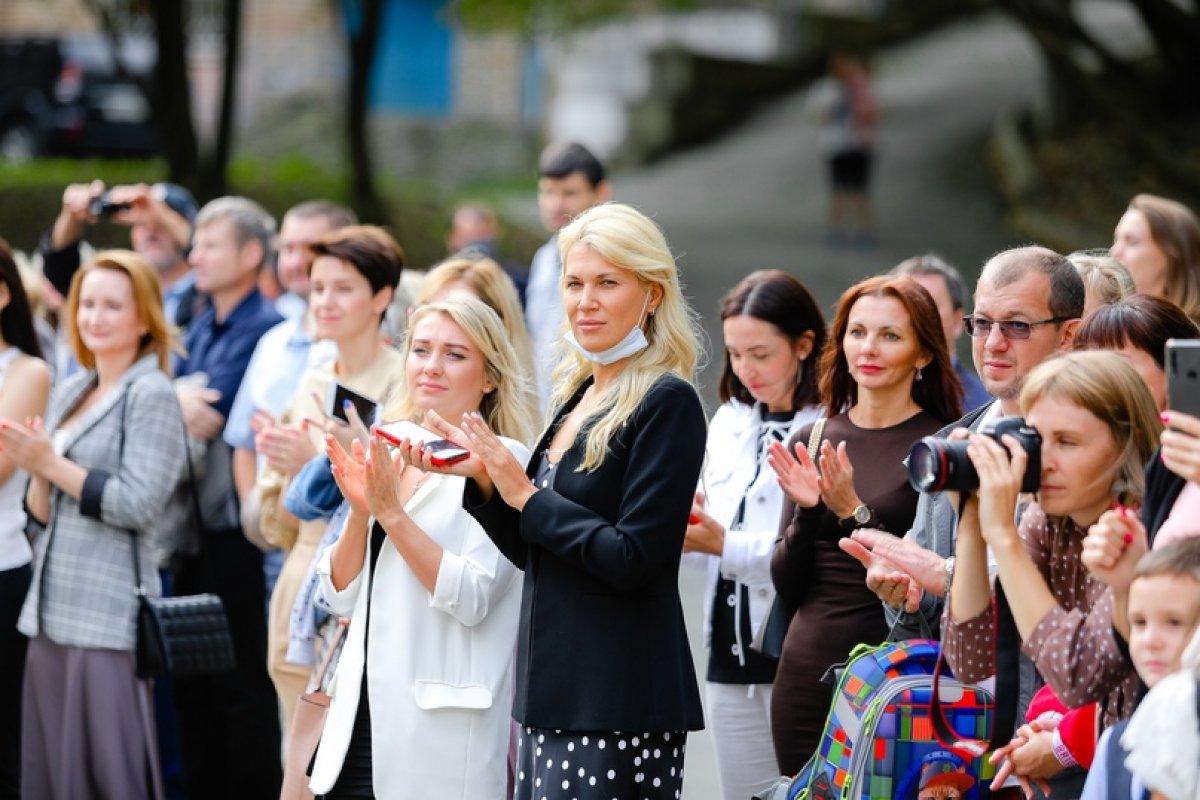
(602, 645)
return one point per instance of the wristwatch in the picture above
(948, 573)
(858, 518)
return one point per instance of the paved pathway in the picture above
(756, 199)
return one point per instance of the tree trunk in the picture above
(213, 178)
(363, 37)
(173, 99)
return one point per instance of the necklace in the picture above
(417, 484)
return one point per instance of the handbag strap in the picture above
(327, 659)
(139, 588)
(1007, 669)
(814, 439)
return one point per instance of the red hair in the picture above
(939, 391)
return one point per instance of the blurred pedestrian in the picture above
(843, 104)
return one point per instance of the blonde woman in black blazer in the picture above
(606, 688)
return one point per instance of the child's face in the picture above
(1163, 613)
(939, 793)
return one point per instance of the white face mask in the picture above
(633, 343)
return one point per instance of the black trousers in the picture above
(229, 724)
(14, 583)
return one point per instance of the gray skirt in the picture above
(87, 725)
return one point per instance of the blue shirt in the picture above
(974, 395)
(283, 355)
(174, 294)
(222, 350)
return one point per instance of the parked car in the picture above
(66, 97)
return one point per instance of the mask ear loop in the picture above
(643, 317)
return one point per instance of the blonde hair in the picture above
(1105, 384)
(511, 409)
(1104, 278)
(159, 337)
(626, 238)
(488, 281)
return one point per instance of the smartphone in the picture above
(442, 451)
(335, 404)
(1183, 375)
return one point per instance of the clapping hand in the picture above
(886, 579)
(797, 476)
(28, 445)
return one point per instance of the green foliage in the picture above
(553, 16)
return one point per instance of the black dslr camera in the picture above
(936, 465)
(103, 206)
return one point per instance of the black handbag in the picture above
(180, 636)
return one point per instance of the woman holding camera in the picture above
(606, 686)
(887, 377)
(421, 697)
(1099, 426)
(102, 468)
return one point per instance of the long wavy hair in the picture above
(159, 337)
(775, 297)
(1103, 383)
(939, 391)
(628, 239)
(511, 409)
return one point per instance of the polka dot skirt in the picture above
(565, 765)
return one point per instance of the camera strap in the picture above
(1007, 648)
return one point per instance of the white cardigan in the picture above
(440, 677)
(728, 466)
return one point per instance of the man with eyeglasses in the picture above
(1028, 304)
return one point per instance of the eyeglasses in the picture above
(981, 327)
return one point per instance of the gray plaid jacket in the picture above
(82, 593)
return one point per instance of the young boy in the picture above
(1164, 613)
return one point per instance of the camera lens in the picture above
(924, 466)
(936, 465)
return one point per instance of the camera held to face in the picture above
(103, 206)
(936, 465)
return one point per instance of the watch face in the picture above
(862, 515)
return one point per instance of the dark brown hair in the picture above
(774, 296)
(1140, 321)
(939, 390)
(16, 318)
(369, 249)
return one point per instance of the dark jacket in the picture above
(1162, 490)
(602, 645)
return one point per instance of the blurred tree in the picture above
(203, 170)
(362, 35)
(1149, 101)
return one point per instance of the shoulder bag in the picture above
(307, 723)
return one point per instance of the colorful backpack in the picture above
(879, 735)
